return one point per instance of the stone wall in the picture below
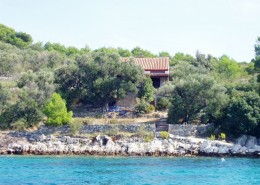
(178, 130)
(132, 128)
(190, 130)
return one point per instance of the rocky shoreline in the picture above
(23, 143)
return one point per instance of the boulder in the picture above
(257, 148)
(41, 138)
(223, 150)
(251, 142)
(243, 150)
(241, 140)
(236, 148)
(51, 137)
(104, 140)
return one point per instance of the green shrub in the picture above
(147, 136)
(143, 107)
(19, 125)
(222, 136)
(150, 109)
(212, 137)
(113, 121)
(56, 111)
(75, 127)
(84, 121)
(191, 101)
(162, 103)
(164, 135)
(146, 91)
(242, 115)
(113, 131)
(25, 109)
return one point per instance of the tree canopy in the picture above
(196, 98)
(98, 78)
(19, 39)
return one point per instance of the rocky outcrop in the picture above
(42, 144)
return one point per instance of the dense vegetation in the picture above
(38, 80)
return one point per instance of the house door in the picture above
(156, 82)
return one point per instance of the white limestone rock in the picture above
(251, 142)
(223, 150)
(41, 138)
(241, 140)
(236, 148)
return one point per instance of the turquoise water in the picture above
(127, 170)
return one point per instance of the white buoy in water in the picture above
(222, 159)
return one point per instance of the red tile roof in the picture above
(150, 64)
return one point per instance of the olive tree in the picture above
(98, 78)
(195, 98)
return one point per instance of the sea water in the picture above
(128, 170)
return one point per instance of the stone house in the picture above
(157, 68)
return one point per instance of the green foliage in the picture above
(18, 39)
(146, 91)
(143, 107)
(257, 47)
(212, 137)
(56, 111)
(222, 136)
(25, 109)
(124, 52)
(242, 115)
(143, 133)
(181, 71)
(69, 51)
(205, 61)
(164, 135)
(84, 121)
(75, 127)
(98, 78)
(162, 103)
(113, 121)
(181, 57)
(39, 86)
(19, 125)
(229, 68)
(148, 137)
(257, 64)
(113, 131)
(150, 109)
(141, 53)
(198, 97)
(250, 68)
(120, 51)
(164, 54)
(5, 98)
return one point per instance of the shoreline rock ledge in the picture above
(245, 146)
